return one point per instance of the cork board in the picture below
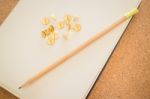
(129, 76)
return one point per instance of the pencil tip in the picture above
(19, 87)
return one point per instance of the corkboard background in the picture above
(127, 73)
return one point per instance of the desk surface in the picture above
(127, 73)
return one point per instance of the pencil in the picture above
(77, 50)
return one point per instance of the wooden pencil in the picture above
(77, 50)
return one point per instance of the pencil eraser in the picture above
(131, 13)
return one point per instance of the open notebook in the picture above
(24, 53)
